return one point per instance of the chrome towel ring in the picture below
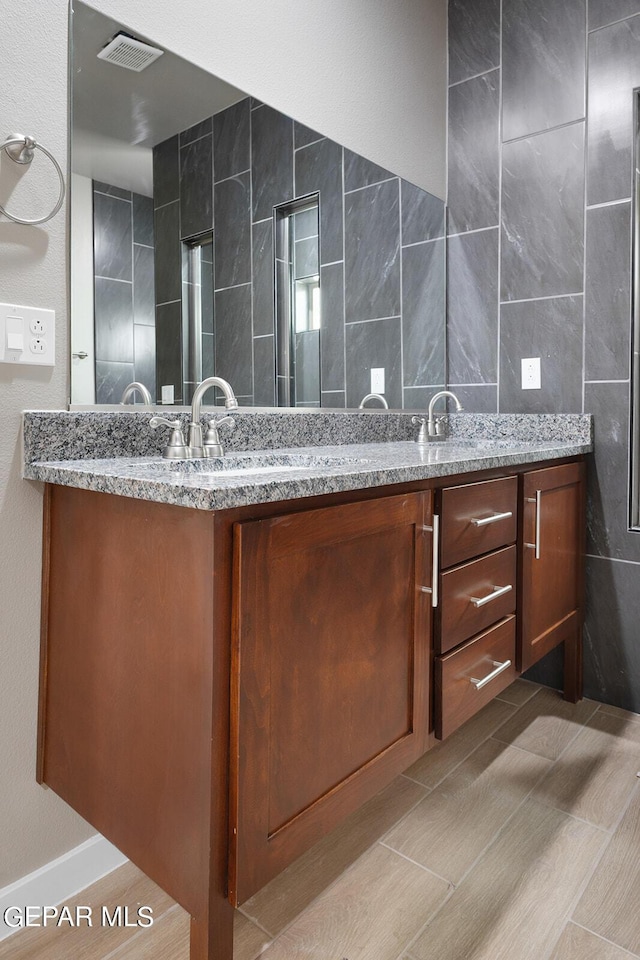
(21, 150)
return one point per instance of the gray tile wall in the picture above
(124, 301)
(540, 261)
(382, 256)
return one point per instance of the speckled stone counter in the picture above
(280, 456)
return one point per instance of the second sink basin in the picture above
(250, 463)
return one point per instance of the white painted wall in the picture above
(368, 73)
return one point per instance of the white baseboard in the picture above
(60, 879)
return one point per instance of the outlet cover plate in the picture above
(531, 379)
(27, 335)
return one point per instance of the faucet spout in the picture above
(196, 442)
(373, 396)
(434, 425)
(131, 388)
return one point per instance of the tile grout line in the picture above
(255, 922)
(415, 863)
(604, 939)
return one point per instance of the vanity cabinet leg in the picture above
(573, 666)
(212, 939)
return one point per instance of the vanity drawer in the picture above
(477, 518)
(462, 684)
(475, 595)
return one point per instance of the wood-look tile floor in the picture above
(516, 839)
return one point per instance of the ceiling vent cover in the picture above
(127, 52)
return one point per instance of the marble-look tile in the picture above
(208, 355)
(169, 348)
(551, 330)
(477, 398)
(474, 38)
(423, 313)
(231, 140)
(111, 379)
(305, 224)
(374, 344)
(271, 160)
(417, 398)
(422, 214)
(372, 252)
(282, 320)
(195, 132)
(472, 307)
(474, 158)
(110, 190)
(332, 326)
(608, 474)
(206, 291)
(144, 304)
(144, 344)
(142, 219)
(543, 65)
(304, 135)
(232, 235)
(614, 71)
(168, 255)
(112, 237)
(333, 398)
(234, 347)
(196, 187)
(166, 172)
(543, 214)
(603, 12)
(113, 320)
(307, 367)
(608, 293)
(360, 172)
(549, 671)
(318, 169)
(264, 372)
(263, 278)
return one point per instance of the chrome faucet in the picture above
(131, 388)
(373, 396)
(197, 445)
(432, 428)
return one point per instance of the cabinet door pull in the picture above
(496, 592)
(499, 668)
(485, 521)
(435, 544)
(538, 502)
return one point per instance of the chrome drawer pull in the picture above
(538, 502)
(497, 592)
(433, 589)
(485, 521)
(499, 668)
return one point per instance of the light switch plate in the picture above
(27, 335)
(531, 373)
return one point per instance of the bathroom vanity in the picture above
(229, 669)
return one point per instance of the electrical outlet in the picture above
(530, 367)
(27, 335)
(377, 379)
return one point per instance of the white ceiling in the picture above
(118, 116)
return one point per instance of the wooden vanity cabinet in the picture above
(553, 545)
(220, 689)
(330, 671)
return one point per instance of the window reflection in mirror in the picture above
(198, 333)
(297, 286)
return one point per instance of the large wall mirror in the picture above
(212, 234)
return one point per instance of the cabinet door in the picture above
(330, 674)
(552, 566)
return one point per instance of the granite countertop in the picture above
(291, 472)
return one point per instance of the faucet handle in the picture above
(176, 449)
(422, 432)
(212, 446)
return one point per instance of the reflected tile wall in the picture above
(557, 296)
(124, 300)
(391, 232)
(472, 307)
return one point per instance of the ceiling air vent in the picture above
(127, 52)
